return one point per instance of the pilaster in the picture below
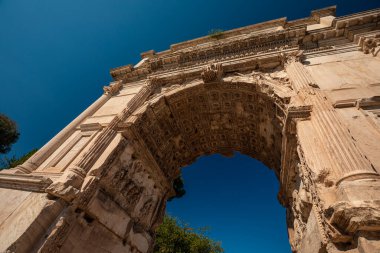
(67, 187)
(43, 153)
(347, 160)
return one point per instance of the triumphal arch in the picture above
(301, 96)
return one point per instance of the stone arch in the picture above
(240, 112)
(177, 124)
(266, 97)
(116, 192)
(260, 113)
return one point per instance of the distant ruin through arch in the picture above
(301, 96)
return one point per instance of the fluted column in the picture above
(69, 184)
(346, 158)
(43, 153)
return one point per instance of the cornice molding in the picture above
(24, 182)
(252, 41)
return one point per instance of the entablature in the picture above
(254, 41)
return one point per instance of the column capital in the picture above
(288, 58)
(68, 185)
(212, 73)
(152, 83)
(370, 44)
(113, 88)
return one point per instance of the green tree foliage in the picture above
(216, 33)
(7, 163)
(175, 237)
(8, 133)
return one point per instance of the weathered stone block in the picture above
(109, 213)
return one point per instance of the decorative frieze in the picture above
(250, 43)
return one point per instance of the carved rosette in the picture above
(212, 73)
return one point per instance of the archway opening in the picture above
(243, 113)
(236, 198)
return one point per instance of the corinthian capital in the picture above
(113, 88)
(288, 58)
(212, 73)
(371, 45)
(153, 83)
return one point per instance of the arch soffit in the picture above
(259, 97)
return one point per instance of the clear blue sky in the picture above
(55, 57)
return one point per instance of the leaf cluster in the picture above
(7, 163)
(216, 33)
(8, 133)
(173, 236)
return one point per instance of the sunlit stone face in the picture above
(300, 96)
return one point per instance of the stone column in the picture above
(346, 210)
(347, 160)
